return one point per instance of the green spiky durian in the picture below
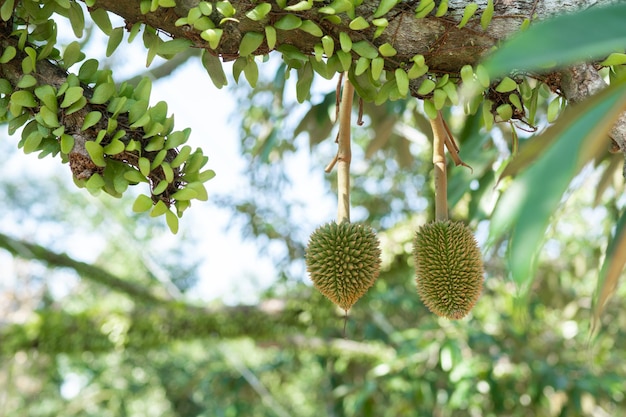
(449, 268)
(343, 261)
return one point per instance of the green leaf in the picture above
(205, 8)
(506, 85)
(203, 23)
(225, 8)
(426, 87)
(424, 8)
(550, 160)
(115, 147)
(384, 7)
(27, 81)
(611, 270)
(329, 45)
(91, 119)
(49, 117)
(270, 35)
(32, 142)
(172, 221)
(337, 6)
(142, 203)
(288, 22)
(8, 54)
(251, 71)
(72, 54)
(168, 172)
(505, 111)
(6, 88)
(213, 65)
(614, 59)
(378, 64)
(259, 12)
(135, 177)
(487, 15)
(359, 23)
(159, 208)
(439, 98)
(77, 19)
(387, 50)
(213, 36)
(300, 6)
(311, 28)
(468, 12)
(182, 156)
(238, 67)
(88, 70)
(305, 80)
(71, 96)
(365, 49)
(250, 43)
(23, 98)
(417, 71)
(143, 90)
(402, 79)
(443, 8)
(345, 58)
(158, 113)
(553, 110)
(95, 183)
(562, 41)
(96, 153)
(430, 109)
(144, 166)
(198, 187)
(345, 41)
(362, 65)
(102, 93)
(6, 11)
(67, 143)
(115, 39)
(482, 75)
(173, 47)
(185, 194)
(101, 18)
(159, 189)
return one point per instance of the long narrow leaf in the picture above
(527, 205)
(582, 36)
(611, 270)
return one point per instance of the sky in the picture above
(209, 112)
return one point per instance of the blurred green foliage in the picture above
(103, 350)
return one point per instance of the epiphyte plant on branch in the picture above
(390, 50)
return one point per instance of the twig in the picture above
(452, 146)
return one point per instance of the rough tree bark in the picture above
(445, 47)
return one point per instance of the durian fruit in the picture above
(449, 268)
(343, 261)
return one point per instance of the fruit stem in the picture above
(439, 162)
(344, 153)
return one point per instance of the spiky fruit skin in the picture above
(449, 268)
(343, 261)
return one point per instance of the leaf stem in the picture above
(344, 153)
(439, 161)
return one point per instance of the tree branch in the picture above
(52, 259)
(445, 47)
